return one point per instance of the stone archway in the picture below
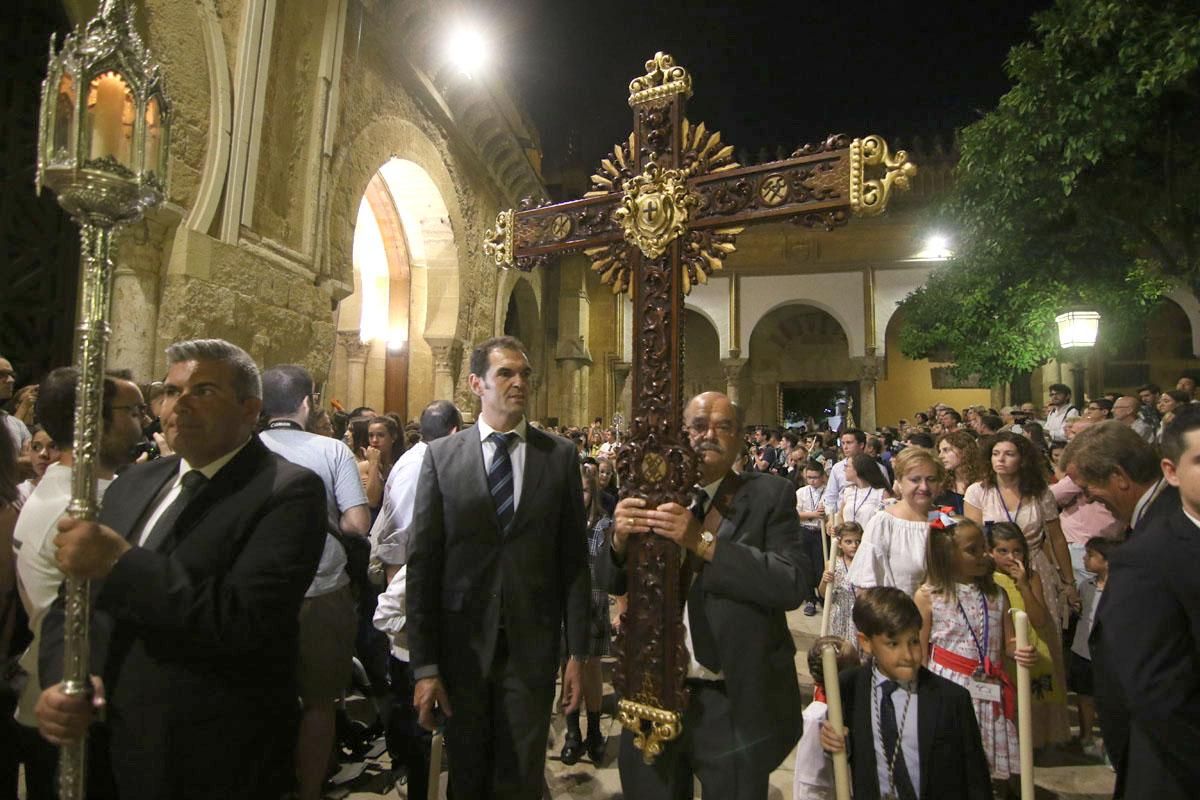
(522, 317)
(702, 354)
(799, 355)
(386, 357)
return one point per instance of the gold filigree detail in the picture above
(870, 197)
(651, 726)
(614, 171)
(703, 151)
(654, 468)
(560, 227)
(705, 252)
(663, 78)
(499, 243)
(655, 209)
(613, 263)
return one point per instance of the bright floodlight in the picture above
(467, 48)
(1078, 328)
(937, 243)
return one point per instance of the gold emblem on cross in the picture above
(655, 208)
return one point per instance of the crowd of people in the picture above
(258, 555)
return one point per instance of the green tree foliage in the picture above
(1082, 186)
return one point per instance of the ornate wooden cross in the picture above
(666, 208)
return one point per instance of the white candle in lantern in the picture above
(109, 104)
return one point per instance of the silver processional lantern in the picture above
(102, 148)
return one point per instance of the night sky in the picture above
(767, 75)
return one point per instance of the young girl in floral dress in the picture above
(968, 632)
(841, 605)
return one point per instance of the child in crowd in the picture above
(813, 776)
(966, 630)
(1010, 553)
(811, 510)
(1095, 560)
(892, 751)
(865, 490)
(841, 603)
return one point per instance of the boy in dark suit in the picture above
(912, 734)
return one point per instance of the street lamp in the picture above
(1077, 331)
(104, 131)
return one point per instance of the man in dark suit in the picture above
(744, 714)
(1114, 466)
(1149, 628)
(200, 562)
(497, 564)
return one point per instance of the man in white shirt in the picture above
(407, 744)
(1059, 412)
(38, 575)
(853, 442)
(328, 619)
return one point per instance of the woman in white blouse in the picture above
(892, 552)
(866, 489)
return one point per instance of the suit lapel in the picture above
(928, 710)
(865, 765)
(739, 507)
(132, 512)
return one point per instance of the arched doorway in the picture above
(799, 367)
(401, 234)
(522, 318)
(701, 355)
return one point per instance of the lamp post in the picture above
(1077, 331)
(102, 148)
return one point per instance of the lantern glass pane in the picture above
(110, 116)
(154, 135)
(1078, 328)
(62, 145)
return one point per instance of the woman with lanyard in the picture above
(1014, 490)
(892, 552)
(866, 489)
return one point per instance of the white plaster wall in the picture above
(1187, 301)
(711, 301)
(892, 286)
(839, 294)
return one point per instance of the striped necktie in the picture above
(500, 479)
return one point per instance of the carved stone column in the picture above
(622, 391)
(870, 367)
(574, 367)
(134, 320)
(444, 354)
(733, 377)
(356, 366)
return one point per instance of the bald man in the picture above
(743, 537)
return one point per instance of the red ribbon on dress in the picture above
(818, 693)
(967, 666)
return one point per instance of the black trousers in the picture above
(497, 733)
(811, 539)
(706, 749)
(407, 742)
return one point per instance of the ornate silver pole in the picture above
(105, 122)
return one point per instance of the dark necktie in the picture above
(500, 479)
(902, 787)
(193, 482)
(704, 643)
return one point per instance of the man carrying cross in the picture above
(741, 543)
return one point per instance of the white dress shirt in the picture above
(833, 489)
(910, 749)
(516, 453)
(393, 526)
(174, 487)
